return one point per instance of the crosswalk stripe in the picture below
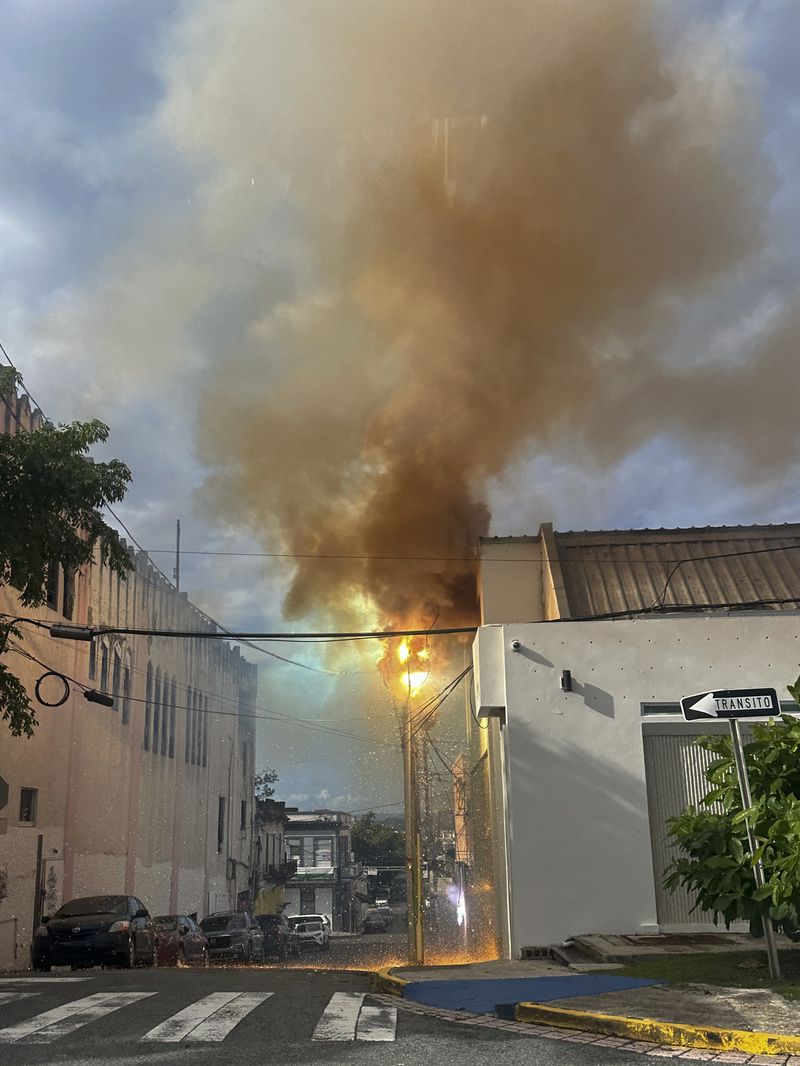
(220, 1024)
(210, 1018)
(377, 1023)
(181, 1024)
(10, 997)
(42, 1028)
(338, 1021)
(41, 980)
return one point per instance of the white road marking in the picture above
(210, 1018)
(227, 1018)
(10, 997)
(339, 1019)
(39, 980)
(377, 1023)
(42, 1028)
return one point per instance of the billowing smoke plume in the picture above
(487, 221)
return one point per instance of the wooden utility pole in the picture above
(416, 941)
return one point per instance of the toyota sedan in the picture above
(93, 931)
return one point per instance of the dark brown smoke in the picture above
(500, 213)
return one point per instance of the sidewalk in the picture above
(736, 1024)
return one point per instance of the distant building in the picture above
(271, 866)
(153, 796)
(319, 842)
(580, 754)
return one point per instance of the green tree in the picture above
(265, 781)
(713, 857)
(377, 844)
(50, 500)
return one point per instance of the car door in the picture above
(143, 932)
(256, 937)
(194, 941)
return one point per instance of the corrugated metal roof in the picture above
(635, 569)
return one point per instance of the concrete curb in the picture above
(656, 1032)
(384, 980)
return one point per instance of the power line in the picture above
(469, 558)
(320, 638)
(201, 710)
(376, 807)
(446, 692)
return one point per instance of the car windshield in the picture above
(78, 908)
(215, 923)
(166, 921)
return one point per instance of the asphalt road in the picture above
(241, 1016)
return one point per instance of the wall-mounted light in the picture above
(93, 696)
(566, 681)
(71, 632)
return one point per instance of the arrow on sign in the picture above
(706, 704)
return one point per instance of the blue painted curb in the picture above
(493, 994)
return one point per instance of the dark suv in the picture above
(280, 939)
(107, 930)
(233, 935)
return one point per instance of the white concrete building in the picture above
(320, 843)
(584, 779)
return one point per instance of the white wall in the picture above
(579, 840)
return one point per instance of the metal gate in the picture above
(674, 769)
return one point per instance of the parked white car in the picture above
(311, 933)
(323, 919)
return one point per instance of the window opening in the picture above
(126, 695)
(157, 711)
(28, 798)
(221, 825)
(148, 706)
(104, 668)
(69, 592)
(53, 575)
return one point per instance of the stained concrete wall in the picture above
(114, 815)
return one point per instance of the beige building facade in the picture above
(152, 797)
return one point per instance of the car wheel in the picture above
(204, 959)
(40, 966)
(128, 960)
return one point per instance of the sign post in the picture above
(733, 704)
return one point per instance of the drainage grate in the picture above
(535, 953)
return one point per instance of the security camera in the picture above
(516, 645)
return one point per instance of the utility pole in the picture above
(177, 572)
(416, 943)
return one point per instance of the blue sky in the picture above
(141, 221)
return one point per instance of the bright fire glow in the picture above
(415, 680)
(413, 656)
